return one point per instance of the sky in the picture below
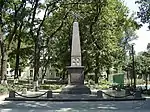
(142, 33)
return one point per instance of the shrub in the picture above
(3, 89)
(102, 84)
(51, 87)
(147, 92)
(91, 82)
(15, 87)
(23, 81)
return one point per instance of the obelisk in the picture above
(76, 70)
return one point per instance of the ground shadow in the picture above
(32, 106)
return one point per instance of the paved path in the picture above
(31, 106)
(102, 106)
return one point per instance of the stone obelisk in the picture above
(76, 70)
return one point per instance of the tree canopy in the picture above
(39, 33)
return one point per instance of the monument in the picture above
(75, 90)
(76, 70)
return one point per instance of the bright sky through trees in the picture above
(143, 33)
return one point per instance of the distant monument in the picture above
(76, 70)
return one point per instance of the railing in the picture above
(117, 96)
(12, 94)
(137, 94)
(37, 96)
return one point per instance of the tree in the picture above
(3, 55)
(102, 25)
(142, 64)
(143, 14)
(39, 42)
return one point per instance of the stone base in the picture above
(73, 99)
(76, 89)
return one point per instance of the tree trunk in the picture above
(131, 81)
(36, 50)
(107, 72)
(16, 76)
(19, 72)
(3, 60)
(146, 81)
(0, 63)
(3, 64)
(133, 68)
(44, 70)
(36, 64)
(97, 68)
(63, 76)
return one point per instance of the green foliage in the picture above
(102, 84)
(51, 87)
(142, 64)
(47, 40)
(143, 13)
(17, 88)
(102, 26)
(91, 82)
(3, 89)
(140, 81)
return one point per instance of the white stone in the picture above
(76, 49)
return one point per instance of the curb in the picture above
(70, 100)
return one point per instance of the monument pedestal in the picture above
(76, 89)
(76, 81)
